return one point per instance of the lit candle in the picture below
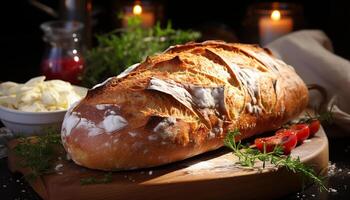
(274, 26)
(147, 16)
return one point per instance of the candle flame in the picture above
(137, 9)
(276, 15)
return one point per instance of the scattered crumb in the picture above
(58, 167)
(332, 190)
(132, 134)
(17, 180)
(4, 186)
(331, 169)
(145, 151)
(340, 170)
(313, 195)
(150, 172)
(23, 191)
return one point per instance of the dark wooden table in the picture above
(13, 186)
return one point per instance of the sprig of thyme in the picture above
(107, 178)
(38, 153)
(248, 157)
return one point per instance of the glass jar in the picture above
(62, 58)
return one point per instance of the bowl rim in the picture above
(31, 113)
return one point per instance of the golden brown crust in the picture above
(181, 103)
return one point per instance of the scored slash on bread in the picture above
(181, 103)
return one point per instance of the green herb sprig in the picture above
(121, 48)
(325, 118)
(248, 157)
(107, 178)
(38, 153)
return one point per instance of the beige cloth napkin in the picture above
(310, 52)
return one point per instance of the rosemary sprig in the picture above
(107, 178)
(325, 117)
(38, 153)
(247, 157)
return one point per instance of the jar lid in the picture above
(53, 29)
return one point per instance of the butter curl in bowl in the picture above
(32, 107)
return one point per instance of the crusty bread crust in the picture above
(181, 103)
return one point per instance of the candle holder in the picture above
(265, 22)
(149, 13)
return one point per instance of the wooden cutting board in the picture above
(209, 176)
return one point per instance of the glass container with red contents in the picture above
(62, 58)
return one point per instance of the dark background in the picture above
(22, 46)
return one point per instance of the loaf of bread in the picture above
(181, 103)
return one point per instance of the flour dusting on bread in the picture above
(181, 103)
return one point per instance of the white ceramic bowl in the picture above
(23, 123)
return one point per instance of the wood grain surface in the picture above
(211, 175)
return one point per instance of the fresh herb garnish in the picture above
(121, 48)
(38, 153)
(324, 117)
(107, 178)
(248, 157)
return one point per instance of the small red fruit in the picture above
(314, 126)
(287, 139)
(302, 131)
